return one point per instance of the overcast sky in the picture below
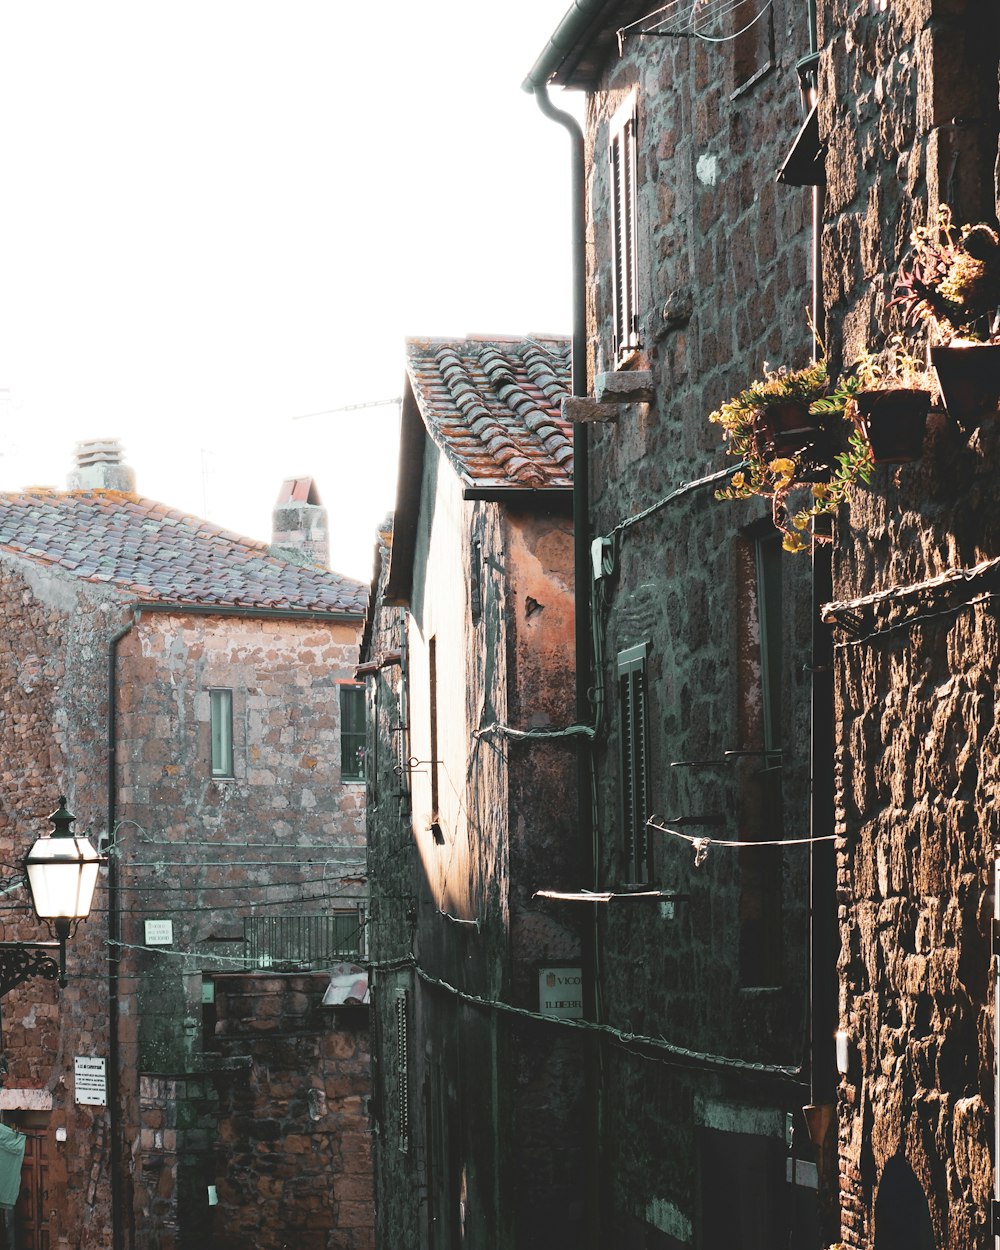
(220, 215)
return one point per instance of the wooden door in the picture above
(31, 1215)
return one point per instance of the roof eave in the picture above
(563, 59)
(542, 497)
(412, 441)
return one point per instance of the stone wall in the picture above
(909, 103)
(724, 256)
(53, 713)
(283, 837)
(293, 1162)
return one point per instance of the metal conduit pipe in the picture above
(114, 950)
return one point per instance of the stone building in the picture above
(878, 739)
(908, 108)
(468, 643)
(693, 271)
(194, 698)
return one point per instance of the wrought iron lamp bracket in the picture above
(23, 961)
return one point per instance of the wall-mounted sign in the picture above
(90, 1081)
(560, 992)
(159, 932)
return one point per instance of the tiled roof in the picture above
(492, 406)
(160, 555)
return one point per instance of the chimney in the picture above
(299, 528)
(99, 466)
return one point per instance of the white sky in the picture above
(216, 215)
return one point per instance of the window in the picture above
(622, 153)
(760, 947)
(432, 679)
(299, 942)
(352, 733)
(634, 735)
(221, 714)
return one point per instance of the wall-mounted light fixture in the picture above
(61, 868)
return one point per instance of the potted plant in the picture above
(892, 399)
(783, 428)
(953, 285)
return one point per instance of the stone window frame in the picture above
(222, 754)
(353, 740)
(623, 158)
(633, 735)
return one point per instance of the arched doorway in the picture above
(902, 1217)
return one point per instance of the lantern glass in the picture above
(62, 876)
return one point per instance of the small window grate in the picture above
(634, 760)
(402, 1066)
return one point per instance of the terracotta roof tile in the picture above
(493, 407)
(162, 555)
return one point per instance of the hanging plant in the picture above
(893, 398)
(783, 428)
(952, 285)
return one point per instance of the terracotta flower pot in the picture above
(969, 378)
(895, 421)
(788, 427)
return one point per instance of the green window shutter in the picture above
(352, 733)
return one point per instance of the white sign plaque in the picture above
(159, 932)
(560, 992)
(91, 1081)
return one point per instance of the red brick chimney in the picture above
(300, 530)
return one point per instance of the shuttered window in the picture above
(634, 735)
(622, 153)
(402, 1067)
(352, 733)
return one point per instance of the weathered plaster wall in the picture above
(909, 102)
(492, 1106)
(723, 287)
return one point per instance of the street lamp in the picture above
(62, 873)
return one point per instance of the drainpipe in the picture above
(114, 950)
(823, 937)
(537, 83)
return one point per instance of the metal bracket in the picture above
(995, 1218)
(995, 936)
(22, 961)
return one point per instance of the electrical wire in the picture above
(680, 1055)
(702, 845)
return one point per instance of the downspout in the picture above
(537, 83)
(823, 937)
(114, 949)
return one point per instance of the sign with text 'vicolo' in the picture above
(560, 992)
(90, 1081)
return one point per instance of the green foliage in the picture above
(776, 477)
(953, 279)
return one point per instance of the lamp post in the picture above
(62, 874)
